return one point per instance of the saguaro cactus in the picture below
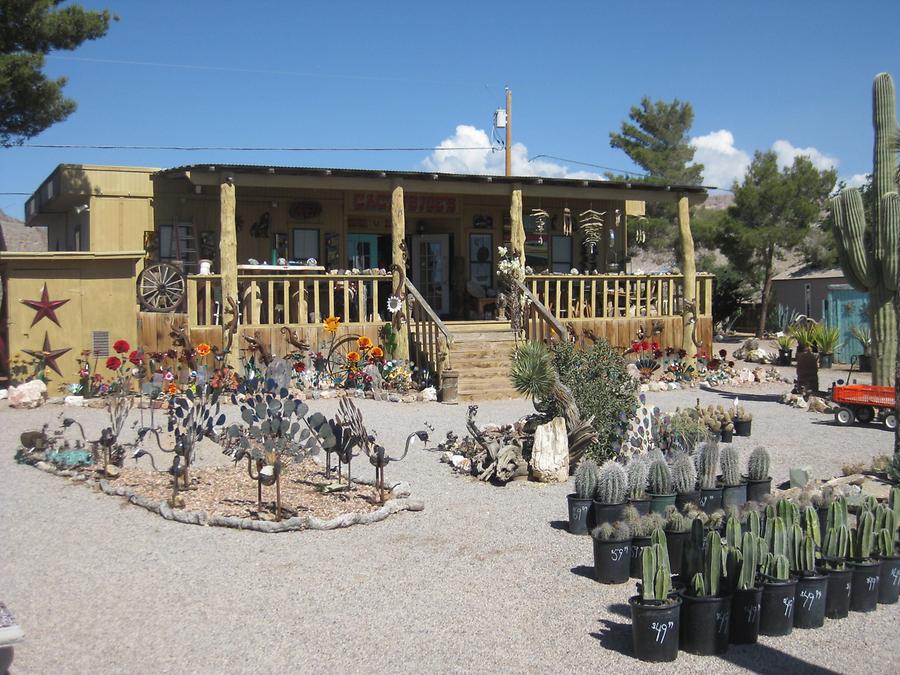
(868, 251)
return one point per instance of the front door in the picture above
(431, 269)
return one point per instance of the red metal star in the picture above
(45, 307)
(48, 355)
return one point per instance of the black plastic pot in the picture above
(638, 544)
(682, 500)
(726, 436)
(837, 600)
(659, 503)
(865, 363)
(607, 513)
(744, 623)
(889, 586)
(784, 357)
(655, 629)
(579, 513)
(675, 545)
(776, 611)
(710, 500)
(810, 600)
(612, 561)
(757, 489)
(704, 624)
(641, 505)
(826, 360)
(734, 495)
(864, 591)
(742, 428)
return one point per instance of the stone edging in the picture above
(402, 502)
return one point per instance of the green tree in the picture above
(819, 249)
(772, 213)
(29, 29)
(656, 138)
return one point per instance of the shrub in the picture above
(601, 387)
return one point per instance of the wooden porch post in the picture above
(398, 258)
(689, 309)
(517, 235)
(228, 258)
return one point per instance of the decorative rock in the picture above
(28, 395)
(429, 394)
(280, 371)
(446, 457)
(654, 386)
(372, 371)
(461, 463)
(550, 454)
(3, 394)
(800, 476)
(759, 374)
(819, 405)
(393, 397)
(632, 371)
(74, 400)
(645, 388)
(401, 490)
(111, 471)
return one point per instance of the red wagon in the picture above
(864, 403)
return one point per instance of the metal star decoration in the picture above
(48, 355)
(45, 307)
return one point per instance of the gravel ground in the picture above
(485, 579)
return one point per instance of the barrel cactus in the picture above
(731, 466)
(709, 465)
(612, 483)
(660, 478)
(758, 464)
(868, 251)
(684, 474)
(586, 479)
(637, 471)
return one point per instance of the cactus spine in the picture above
(586, 479)
(758, 464)
(612, 483)
(868, 251)
(731, 467)
(660, 478)
(709, 464)
(637, 471)
(684, 474)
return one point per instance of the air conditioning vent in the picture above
(100, 343)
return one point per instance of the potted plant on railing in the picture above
(710, 490)
(655, 611)
(580, 501)
(863, 335)
(835, 552)
(612, 552)
(662, 495)
(759, 482)
(777, 604)
(609, 498)
(684, 480)
(742, 421)
(785, 345)
(827, 339)
(637, 471)
(734, 489)
(886, 544)
(866, 567)
(812, 586)
(747, 593)
(706, 607)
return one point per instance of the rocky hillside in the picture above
(15, 236)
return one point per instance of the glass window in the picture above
(562, 254)
(368, 251)
(305, 244)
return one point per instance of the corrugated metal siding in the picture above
(846, 307)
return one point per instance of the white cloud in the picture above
(856, 180)
(786, 153)
(455, 160)
(722, 162)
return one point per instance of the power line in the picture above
(596, 166)
(194, 148)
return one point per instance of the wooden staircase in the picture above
(481, 353)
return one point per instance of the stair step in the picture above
(469, 326)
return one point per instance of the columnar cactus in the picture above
(811, 525)
(709, 465)
(660, 478)
(733, 532)
(684, 474)
(712, 566)
(612, 483)
(758, 464)
(637, 471)
(586, 479)
(836, 546)
(731, 466)
(864, 536)
(868, 251)
(656, 577)
(754, 523)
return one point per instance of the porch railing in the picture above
(429, 337)
(540, 324)
(279, 299)
(610, 296)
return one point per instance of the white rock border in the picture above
(400, 491)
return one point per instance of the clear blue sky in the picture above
(409, 73)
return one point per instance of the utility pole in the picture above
(508, 132)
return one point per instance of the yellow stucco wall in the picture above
(101, 293)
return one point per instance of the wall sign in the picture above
(304, 210)
(413, 203)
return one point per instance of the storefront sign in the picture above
(413, 203)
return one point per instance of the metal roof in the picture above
(427, 175)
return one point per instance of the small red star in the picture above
(48, 355)
(45, 307)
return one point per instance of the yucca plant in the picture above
(826, 338)
(863, 335)
(803, 334)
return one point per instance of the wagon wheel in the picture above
(843, 416)
(890, 421)
(160, 287)
(338, 362)
(865, 414)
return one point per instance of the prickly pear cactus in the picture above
(868, 251)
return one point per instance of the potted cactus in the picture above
(642, 528)
(759, 482)
(785, 345)
(609, 498)
(866, 567)
(734, 489)
(655, 611)
(777, 603)
(863, 335)
(811, 594)
(886, 543)
(826, 339)
(612, 552)
(637, 471)
(706, 605)
(684, 480)
(742, 421)
(678, 529)
(708, 467)
(747, 593)
(662, 494)
(835, 552)
(580, 501)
